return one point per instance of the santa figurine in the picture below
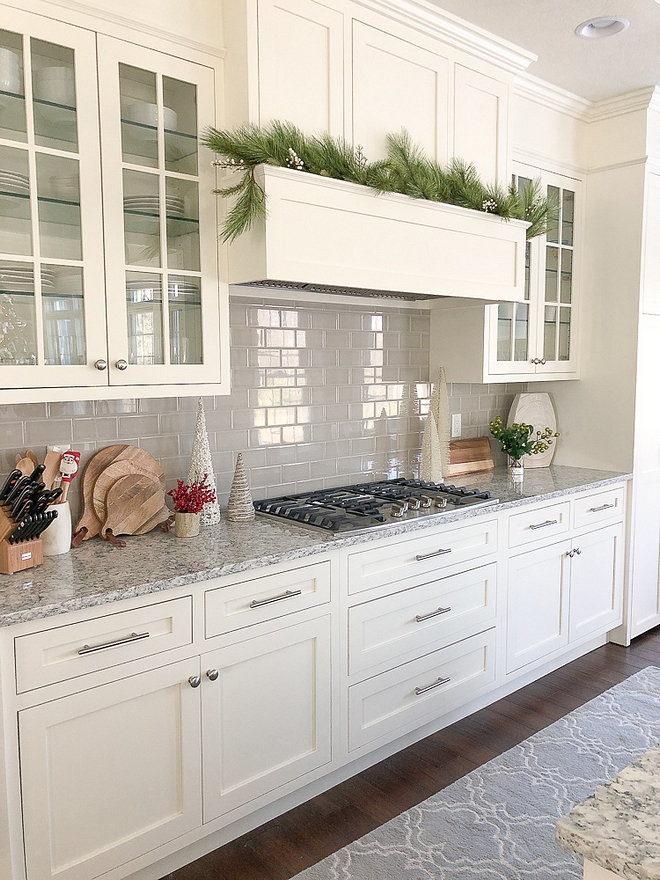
(68, 469)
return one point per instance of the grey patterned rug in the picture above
(498, 822)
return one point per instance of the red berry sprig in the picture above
(191, 499)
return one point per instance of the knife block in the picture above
(17, 557)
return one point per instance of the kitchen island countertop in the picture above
(616, 828)
(96, 572)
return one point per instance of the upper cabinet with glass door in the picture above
(109, 279)
(160, 213)
(535, 338)
(52, 311)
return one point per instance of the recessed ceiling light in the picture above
(604, 26)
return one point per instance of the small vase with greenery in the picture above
(520, 439)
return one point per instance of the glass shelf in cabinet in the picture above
(58, 211)
(15, 205)
(142, 222)
(12, 120)
(141, 140)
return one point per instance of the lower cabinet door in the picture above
(265, 714)
(596, 582)
(537, 604)
(110, 773)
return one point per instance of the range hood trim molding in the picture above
(330, 233)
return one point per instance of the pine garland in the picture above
(406, 170)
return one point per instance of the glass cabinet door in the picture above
(162, 275)
(534, 337)
(51, 264)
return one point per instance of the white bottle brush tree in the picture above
(201, 464)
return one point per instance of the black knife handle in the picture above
(9, 483)
(18, 487)
(37, 472)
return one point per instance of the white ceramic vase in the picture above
(57, 537)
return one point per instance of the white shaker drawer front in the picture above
(398, 700)
(413, 558)
(537, 525)
(68, 651)
(266, 598)
(598, 508)
(395, 627)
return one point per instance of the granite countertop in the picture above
(96, 572)
(617, 827)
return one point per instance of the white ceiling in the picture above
(592, 69)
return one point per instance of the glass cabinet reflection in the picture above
(161, 218)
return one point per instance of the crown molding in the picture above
(435, 22)
(642, 99)
(538, 90)
(124, 22)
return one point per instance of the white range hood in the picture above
(328, 235)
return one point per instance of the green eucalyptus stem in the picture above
(406, 170)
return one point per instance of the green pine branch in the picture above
(406, 170)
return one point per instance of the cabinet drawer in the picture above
(395, 701)
(266, 598)
(68, 651)
(598, 508)
(396, 627)
(416, 557)
(539, 524)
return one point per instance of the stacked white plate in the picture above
(14, 182)
(174, 206)
(147, 114)
(15, 278)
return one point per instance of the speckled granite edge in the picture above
(617, 827)
(96, 573)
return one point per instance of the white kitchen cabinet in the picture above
(562, 592)
(482, 97)
(387, 72)
(106, 281)
(304, 86)
(265, 714)
(110, 773)
(532, 340)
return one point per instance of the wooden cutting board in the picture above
(135, 504)
(96, 466)
(122, 467)
(469, 456)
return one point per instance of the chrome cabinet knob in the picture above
(121, 364)
(101, 365)
(212, 674)
(194, 681)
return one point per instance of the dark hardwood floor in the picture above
(306, 834)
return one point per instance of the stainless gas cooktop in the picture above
(352, 509)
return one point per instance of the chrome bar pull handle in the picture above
(548, 522)
(134, 637)
(422, 556)
(422, 617)
(258, 603)
(602, 507)
(430, 687)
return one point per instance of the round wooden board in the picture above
(95, 466)
(132, 502)
(122, 467)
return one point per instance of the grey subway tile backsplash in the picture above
(322, 394)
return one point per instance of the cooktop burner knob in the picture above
(399, 509)
(414, 503)
(440, 502)
(426, 501)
